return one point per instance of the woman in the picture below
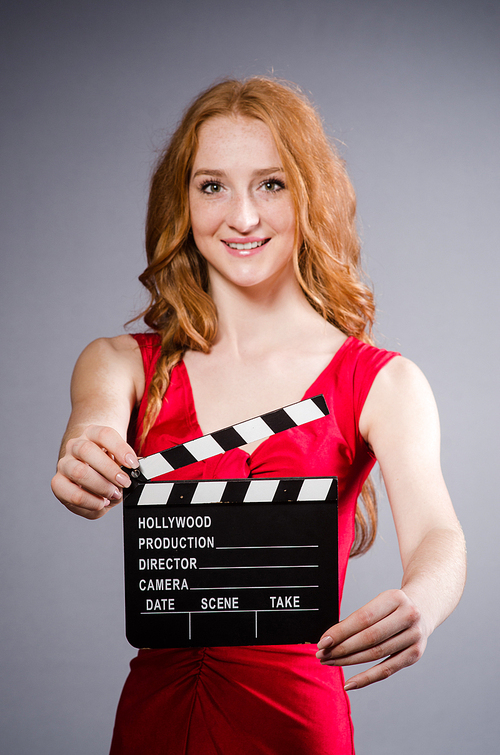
(256, 302)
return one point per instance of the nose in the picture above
(243, 214)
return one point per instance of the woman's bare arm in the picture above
(108, 381)
(401, 424)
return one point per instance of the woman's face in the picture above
(242, 214)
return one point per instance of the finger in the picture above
(86, 513)
(393, 628)
(78, 500)
(85, 476)
(386, 669)
(373, 612)
(92, 513)
(88, 456)
(392, 646)
(112, 441)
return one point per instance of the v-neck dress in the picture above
(253, 700)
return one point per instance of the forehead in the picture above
(226, 141)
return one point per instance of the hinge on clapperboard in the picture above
(183, 586)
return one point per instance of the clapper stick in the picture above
(228, 438)
(249, 490)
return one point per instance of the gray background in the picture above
(88, 92)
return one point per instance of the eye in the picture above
(211, 187)
(273, 185)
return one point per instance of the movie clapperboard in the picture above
(230, 562)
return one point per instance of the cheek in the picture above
(289, 223)
(204, 219)
(288, 217)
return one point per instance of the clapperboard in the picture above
(230, 562)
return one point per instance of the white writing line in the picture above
(288, 566)
(249, 547)
(256, 587)
(229, 610)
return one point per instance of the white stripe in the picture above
(153, 466)
(204, 447)
(305, 411)
(314, 489)
(210, 491)
(261, 491)
(253, 429)
(155, 495)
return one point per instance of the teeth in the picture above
(246, 247)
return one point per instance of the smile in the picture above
(246, 247)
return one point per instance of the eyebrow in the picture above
(221, 173)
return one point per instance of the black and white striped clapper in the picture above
(231, 437)
(231, 562)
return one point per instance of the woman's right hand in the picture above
(89, 480)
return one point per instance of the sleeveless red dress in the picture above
(253, 700)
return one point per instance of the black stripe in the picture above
(333, 491)
(178, 456)
(235, 491)
(228, 438)
(287, 490)
(183, 492)
(279, 420)
(320, 402)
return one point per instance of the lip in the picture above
(245, 240)
(245, 252)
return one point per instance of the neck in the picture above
(253, 319)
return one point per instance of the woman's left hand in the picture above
(390, 627)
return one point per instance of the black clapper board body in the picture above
(230, 562)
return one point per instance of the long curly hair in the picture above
(327, 253)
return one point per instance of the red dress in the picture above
(253, 700)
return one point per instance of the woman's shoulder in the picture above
(362, 361)
(109, 366)
(110, 346)
(400, 376)
(134, 349)
(368, 360)
(400, 391)
(112, 349)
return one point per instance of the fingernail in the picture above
(131, 461)
(325, 642)
(123, 480)
(350, 685)
(115, 495)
